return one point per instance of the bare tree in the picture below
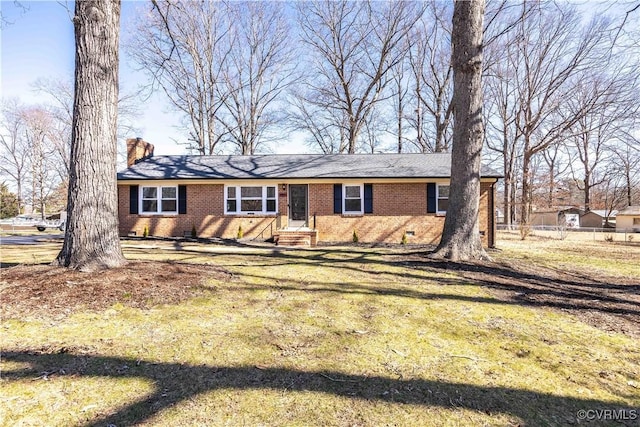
(183, 46)
(608, 97)
(534, 75)
(61, 109)
(502, 56)
(28, 154)
(224, 65)
(38, 125)
(400, 100)
(354, 45)
(59, 103)
(503, 136)
(626, 164)
(461, 237)
(91, 239)
(430, 62)
(553, 157)
(14, 150)
(259, 68)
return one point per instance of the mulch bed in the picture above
(43, 291)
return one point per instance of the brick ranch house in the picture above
(293, 198)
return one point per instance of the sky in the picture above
(38, 42)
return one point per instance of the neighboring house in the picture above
(568, 217)
(598, 219)
(544, 218)
(628, 219)
(293, 198)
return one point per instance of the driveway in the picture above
(31, 239)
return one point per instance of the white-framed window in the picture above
(442, 197)
(352, 199)
(250, 199)
(159, 200)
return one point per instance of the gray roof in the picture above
(603, 213)
(291, 166)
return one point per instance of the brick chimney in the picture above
(137, 149)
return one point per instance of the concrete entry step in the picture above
(296, 237)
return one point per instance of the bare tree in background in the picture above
(502, 135)
(430, 62)
(461, 237)
(222, 64)
(14, 150)
(259, 68)
(91, 238)
(183, 46)
(401, 101)
(37, 130)
(610, 104)
(28, 154)
(543, 55)
(61, 109)
(353, 47)
(553, 157)
(59, 103)
(627, 165)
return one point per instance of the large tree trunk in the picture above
(461, 236)
(91, 239)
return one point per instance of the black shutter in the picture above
(431, 198)
(368, 198)
(337, 198)
(182, 199)
(133, 199)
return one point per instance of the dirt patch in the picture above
(610, 303)
(36, 291)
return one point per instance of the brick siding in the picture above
(397, 208)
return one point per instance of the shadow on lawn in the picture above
(176, 382)
(602, 301)
(544, 287)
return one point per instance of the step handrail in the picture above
(270, 227)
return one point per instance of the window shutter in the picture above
(337, 198)
(368, 198)
(182, 199)
(133, 199)
(431, 197)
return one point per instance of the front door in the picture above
(297, 205)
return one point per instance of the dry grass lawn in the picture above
(192, 334)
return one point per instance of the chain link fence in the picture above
(577, 234)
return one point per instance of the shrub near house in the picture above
(382, 196)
